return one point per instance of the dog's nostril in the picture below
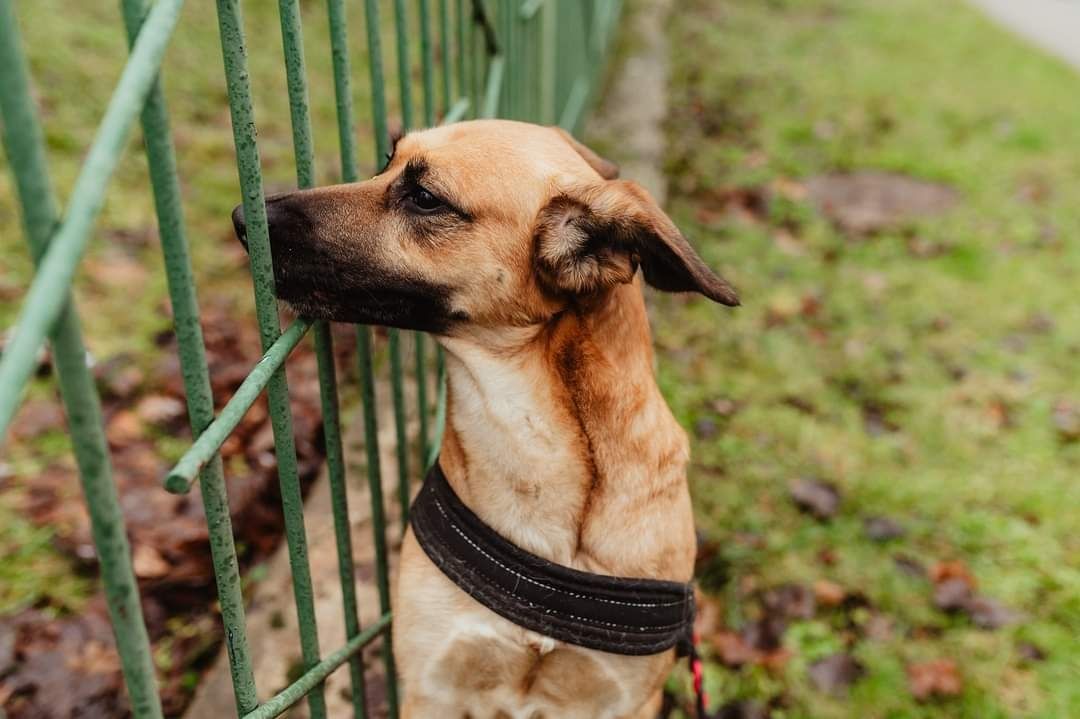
(238, 224)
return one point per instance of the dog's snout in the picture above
(238, 224)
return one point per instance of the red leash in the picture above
(697, 669)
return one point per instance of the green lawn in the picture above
(917, 369)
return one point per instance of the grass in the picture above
(965, 350)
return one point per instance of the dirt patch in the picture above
(866, 202)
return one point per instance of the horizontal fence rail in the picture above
(533, 60)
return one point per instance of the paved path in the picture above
(1053, 25)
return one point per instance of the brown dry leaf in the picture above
(954, 569)
(815, 497)
(883, 529)
(835, 673)
(776, 660)
(733, 650)
(789, 601)
(37, 417)
(1067, 421)
(159, 409)
(125, 427)
(829, 594)
(989, 613)
(934, 678)
(788, 243)
(952, 595)
(148, 562)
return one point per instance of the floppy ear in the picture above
(592, 238)
(605, 168)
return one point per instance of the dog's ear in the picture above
(592, 238)
(605, 168)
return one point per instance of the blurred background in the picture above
(886, 435)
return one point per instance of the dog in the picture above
(519, 249)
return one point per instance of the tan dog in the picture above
(518, 248)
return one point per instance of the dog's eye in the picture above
(422, 201)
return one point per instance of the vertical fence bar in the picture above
(234, 54)
(548, 58)
(367, 375)
(446, 70)
(427, 62)
(397, 379)
(161, 158)
(45, 299)
(427, 56)
(339, 48)
(292, 43)
(378, 516)
(24, 145)
(460, 57)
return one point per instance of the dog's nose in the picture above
(239, 226)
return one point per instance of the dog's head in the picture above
(488, 223)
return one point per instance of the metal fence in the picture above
(534, 60)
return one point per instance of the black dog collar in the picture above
(611, 614)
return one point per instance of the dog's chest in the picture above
(527, 677)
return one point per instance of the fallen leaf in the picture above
(934, 678)
(765, 634)
(989, 613)
(37, 417)
(909, 566)
(123, 428)
(706, 428)
(776, 660)
(829, 594)
(883, 529)
(815, 497)
(955, 569)
(733, 650)
(1029, 652)
(159, 409)
(119, 377)
(952, 595)
(789, 601)
(827, 556)
(148, 562)
(1066, 418)
(725, 406)
(836, 673)
(879, 628)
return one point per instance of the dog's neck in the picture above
(559, 439)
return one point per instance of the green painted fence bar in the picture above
(180, 477)
(234, 54)
(535, 60)
(24, 145)
(367, 371)
(318, 674)
(397, 370)
(167, 204)
(339, 49)
(45, 300)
